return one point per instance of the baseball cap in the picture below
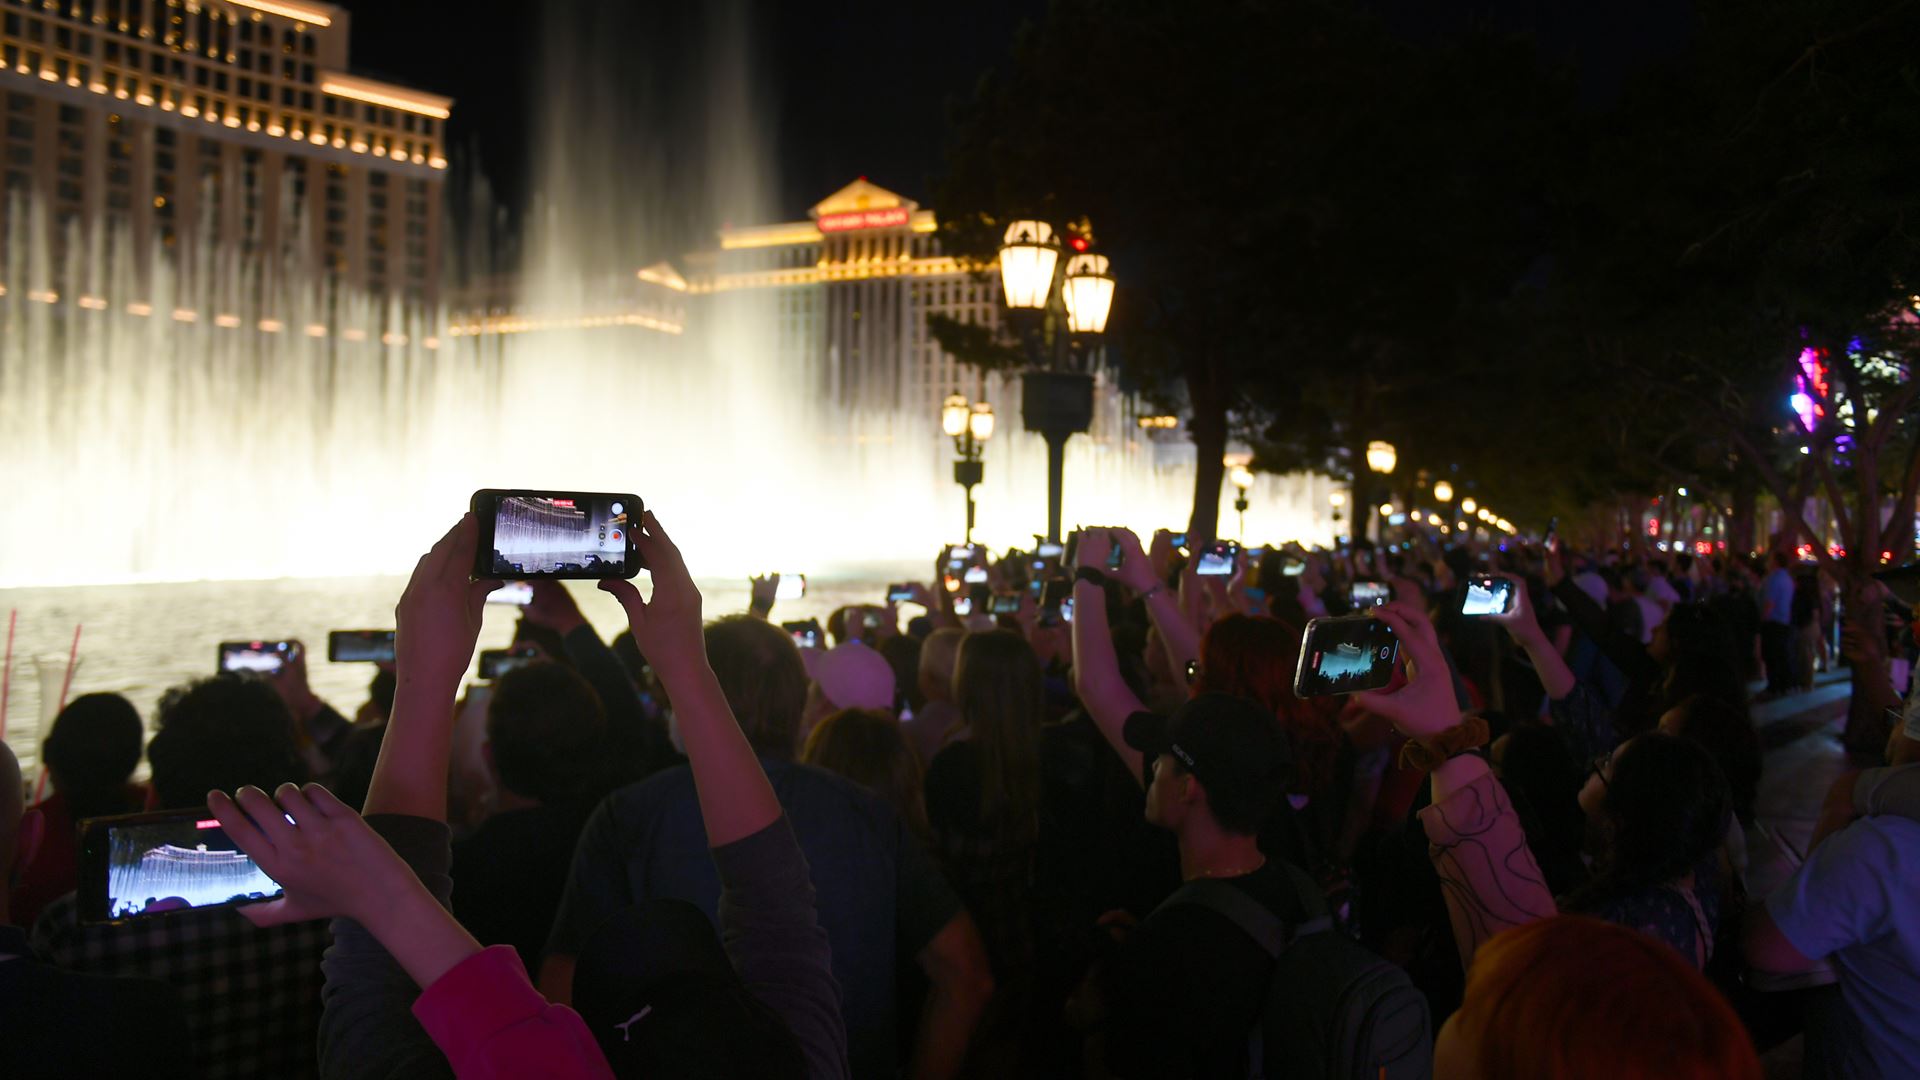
(1233, 745)
(854, 676)
(657, 991)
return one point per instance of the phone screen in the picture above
(360, 646)
(519, 593)
(899, 594)
(1216, 559)
(1345, 655)
(1006, 604)
(1293, 567)
(495, 663)
(557, 534)
(963, 605)
(1066, 610)
(146, 864)
(1114, 555)
(1050, 550)
(975, 575)
(257, 657)
(792, 587)
(1369, 594)
(1487, 596)
(806, 633)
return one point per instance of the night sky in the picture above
(856, 87)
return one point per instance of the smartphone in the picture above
(257, 657)
(806, 632)
(1553, 533)
(497, 662)
(360, 646)
(1038, 587)
(554, 534)
(1050, 550)
(1293, 567)
(1369, 594)
(1115, 554)
(1345, 655)
(900, 593)
(176, 860)
(1487, 595)
(1216, 559)
(963, 605)
(1006, 604)
(1256, 553)
(1179, 542)
(518, 593)
(975, 575)
(792, 587)
(1066, 610)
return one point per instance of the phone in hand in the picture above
(517, 593)
(792, 587)
(963, 605)
(140, 865)
(1487, 595)
(1005, 604)
(1179, 542)
(1345, 655)
(1217, 559)
(527, 532)
(495, 663)
(1049, 550)
(1292, 567)
(975, 575)
(900, 593)
(256, 657)
(1366, 594)
(360, 646)
(806, 632)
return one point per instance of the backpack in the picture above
(1333, 1009)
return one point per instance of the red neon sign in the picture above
(863, 219)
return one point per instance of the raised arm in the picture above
(1520, 622)
(1487, 873)
(1177, 632)
(1096, 667)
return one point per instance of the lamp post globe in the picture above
(1028, 256)
(980, 421)
(1468, 506)
(1088, 292)
(1443, 491)
(1381, 456)
(953, 416)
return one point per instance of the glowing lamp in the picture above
(1088, 292)
(1242, 478)
(1468, 506)
(981, 421)
(1433, 519)
(953, 416)
(1381, 456)
(1336, 499)
(1443, 491)
(1027, 258)
(1386, 509)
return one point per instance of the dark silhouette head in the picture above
(867, 747)
(760, 673)
(1000, 689)
(1663, 808)
(222, 733)
(92, 751)
(547, 732)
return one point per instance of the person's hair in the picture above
(1000, 689)
(867, 747)
(902, 654)
(1254, 657)
(381, 690)
(1665, 809)
(938, 656)
(92, 751)
(1543, 779)
(222, 733)
(765, 684)
(547, 731)
(550, 642)
(630, 656)
(1582, 999)
(1726, 729)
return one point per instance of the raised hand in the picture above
(1136, 569)
(553, 607)
(437, 622)
(290, 682)
(1093, 549)
(667, 627)
(761, 594)
(1425, 706)
(328, 859)
(1519, 620)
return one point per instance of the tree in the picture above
(1306, 215)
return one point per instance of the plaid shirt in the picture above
(251, 995)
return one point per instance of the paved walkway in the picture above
(1800, 735)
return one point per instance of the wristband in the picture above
(1091, 576)
(1468, 735)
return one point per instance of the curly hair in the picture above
(1666, 809)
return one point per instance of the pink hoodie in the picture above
(488, 1019)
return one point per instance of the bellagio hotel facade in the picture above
(196, 126)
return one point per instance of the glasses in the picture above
(1600, 766)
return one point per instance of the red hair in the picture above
(1253, 657)
(1576, 997)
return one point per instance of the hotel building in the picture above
(852, 287)
(216, 126)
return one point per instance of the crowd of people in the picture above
(1057, 814)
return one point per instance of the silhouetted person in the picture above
(90, 754)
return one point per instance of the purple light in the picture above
(1803, 406)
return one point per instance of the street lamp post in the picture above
(1242, 481)
(971, 425)
(1056, 401)
(1381, 458)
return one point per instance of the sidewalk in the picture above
(1800, 737)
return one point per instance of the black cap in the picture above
(1233, 745)
(657, 991)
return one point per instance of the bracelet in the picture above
(1469, 734)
